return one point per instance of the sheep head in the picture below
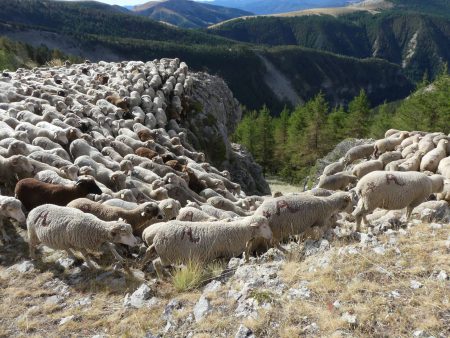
(261, 227)
(12, 208)
(88, 186)
(151, 210)
(121, 232)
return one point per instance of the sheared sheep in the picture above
(32, 192)
(339, 181)
(180, 242)
(358, 152)
(224, 204)
(64, 228)
(295, 214)
(192, 214)
(364, 168)
(334, 167)
(394, 190)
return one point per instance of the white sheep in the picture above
(412, 163)
(334, 167)
(394, 190)
(64, 228)
(177, 242)
(431, 159)
(445, 193)
(192, 214)
(358, 152)
(393, 166)
(444, 167)
(364, 168)
(296, 214)
(338, 181)
(10, 207)
(389, 143)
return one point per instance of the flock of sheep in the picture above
(94, 155)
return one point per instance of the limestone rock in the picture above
(202, 308)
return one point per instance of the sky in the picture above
(125, 2)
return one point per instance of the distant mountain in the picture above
(280, 6)
(186, 13)
(416, 41)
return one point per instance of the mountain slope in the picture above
(90, 17)
(279, 6)
(417, 42)
(186, 13)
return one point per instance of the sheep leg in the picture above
(113, 250)
(365, 220)
(248, 246)
(5, 237)
(358, 222)
(409, 210)
(157, 264)
(32, 242)
(149, 254)
(87, 259)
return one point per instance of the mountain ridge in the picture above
(187, 13)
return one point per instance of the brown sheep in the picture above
(176, 165)
(195, 183)
(118, 102)
(102, 79)
(144, 135)
(145, 152)
(33, 193)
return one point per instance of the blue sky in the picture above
(124, 2)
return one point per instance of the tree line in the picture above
(289, 145)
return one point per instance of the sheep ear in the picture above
(121, 220)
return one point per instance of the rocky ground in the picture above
(393, 282)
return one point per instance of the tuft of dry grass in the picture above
(55, 63)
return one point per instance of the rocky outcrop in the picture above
(212, 116)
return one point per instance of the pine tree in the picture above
(381, 122)
(245, 133)
(313, 139)
(281, 126)
(359, 116)
(336, 125)
(264, 139)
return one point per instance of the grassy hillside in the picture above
(15, 55)
(439, 7)
(80, 17)
(418, 42)
(187, 13)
